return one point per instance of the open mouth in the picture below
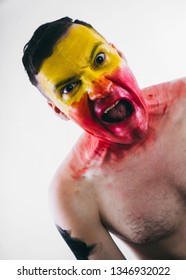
(118, 112)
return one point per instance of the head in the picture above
(86, 79)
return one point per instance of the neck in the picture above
(90, 151)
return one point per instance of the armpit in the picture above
(81, 250)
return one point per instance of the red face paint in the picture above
(162, 107)
(116, 113)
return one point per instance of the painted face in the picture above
(90, 82)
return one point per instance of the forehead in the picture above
(72, 52)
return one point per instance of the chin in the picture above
(124, 136)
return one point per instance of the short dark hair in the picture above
(42, 43)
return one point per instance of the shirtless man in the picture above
(126, 175)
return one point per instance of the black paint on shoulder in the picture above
(80, 249)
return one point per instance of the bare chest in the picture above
(141, 198)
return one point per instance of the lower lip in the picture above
(121, 123)
(131, 127)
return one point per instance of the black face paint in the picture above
(80, 249)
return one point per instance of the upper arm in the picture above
(98, 245)
(76, 216)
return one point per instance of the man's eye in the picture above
(100, 57)
(68, 88)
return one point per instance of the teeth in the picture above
(112, 106)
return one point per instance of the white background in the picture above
(33, 141)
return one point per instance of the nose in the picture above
(100, 88)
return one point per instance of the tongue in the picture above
(116, 114)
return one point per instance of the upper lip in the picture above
(103, 105)
(111, 106)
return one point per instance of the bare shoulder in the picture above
(71, 199)
(176, 88)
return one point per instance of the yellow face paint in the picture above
(88, 80)
(74, 66)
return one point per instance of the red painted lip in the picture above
(129, 110)
(118, 94)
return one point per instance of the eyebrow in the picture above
(76, 77)
(94, 50)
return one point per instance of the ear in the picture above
(58, 111)
(118, 51)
